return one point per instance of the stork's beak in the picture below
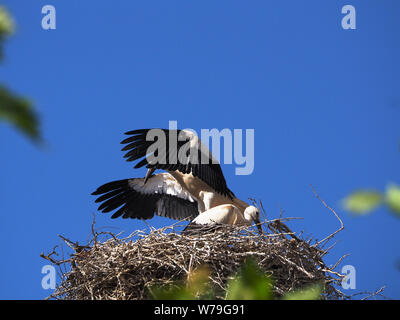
(258, 225)
(148, 174)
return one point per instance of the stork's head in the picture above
(251, 213)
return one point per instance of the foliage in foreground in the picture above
(249, 284)
(13, 108)
(364, 201)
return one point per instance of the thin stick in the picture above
(333, 211)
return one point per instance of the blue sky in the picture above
(324, 103)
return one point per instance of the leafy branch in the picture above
(13, 108)
(364, 201)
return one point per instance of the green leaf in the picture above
(363, 201)
(196, 287)
(311, 293)
(6, 23)
(19, 112)
(392, 198)
(171, 292)
(250, 284)
(6, 27)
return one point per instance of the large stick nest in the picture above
(114, 267)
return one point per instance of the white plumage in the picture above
(162, 183)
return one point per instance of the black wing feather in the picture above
(210, 173)
(133, 204)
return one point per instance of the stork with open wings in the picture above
(193, 186)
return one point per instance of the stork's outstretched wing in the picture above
(200, 163)
(161, 195)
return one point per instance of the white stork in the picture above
(192, 189)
